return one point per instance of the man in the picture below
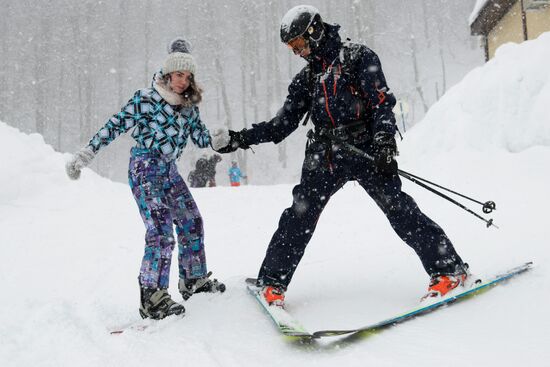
(344, 91)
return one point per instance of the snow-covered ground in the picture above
(71, 251)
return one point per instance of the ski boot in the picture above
(156, 304)
(188, 287)
(442, 284)
(274, 295)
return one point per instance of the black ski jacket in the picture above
(342, 84)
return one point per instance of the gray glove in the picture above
(227, 141)
(220, 138)
(79, 160)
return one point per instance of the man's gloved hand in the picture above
(79, 160)
(227, 141)
(385, 149)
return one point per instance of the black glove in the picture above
(385, 149)
(236, 141)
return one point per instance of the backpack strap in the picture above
(311, 81)
(348, 57)
(349, 54)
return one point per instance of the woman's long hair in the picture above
(193, 93)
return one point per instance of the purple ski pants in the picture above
(164, 201)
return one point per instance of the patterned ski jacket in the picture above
(162, 122)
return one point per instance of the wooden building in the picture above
(502, 21)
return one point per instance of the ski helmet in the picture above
(302, 20)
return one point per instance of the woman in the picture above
(162, 117)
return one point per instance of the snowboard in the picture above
(290, 326)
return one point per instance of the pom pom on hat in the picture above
(179, 45)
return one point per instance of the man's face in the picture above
(300, 46)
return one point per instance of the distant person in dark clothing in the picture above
(211, 169)
(204, 174)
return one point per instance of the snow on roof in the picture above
(477, 9)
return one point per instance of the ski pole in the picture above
(488, 207)
(489, 222)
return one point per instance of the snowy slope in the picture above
(71, 251)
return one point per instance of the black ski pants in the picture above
(325, 173)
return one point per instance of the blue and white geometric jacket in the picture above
(159, 126)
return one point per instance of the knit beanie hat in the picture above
(179, 61)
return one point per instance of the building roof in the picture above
(477, 8)
(486, 15)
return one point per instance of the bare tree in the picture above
(254, 58)
(269, 56)
(276, 72)
(41, 44)
(60, 118)
(442, 25)
(425, 20)
(357, 17)
(216, 50)
(246, 41)
(4, 62)
(147, 48)
(443, 69)
(88, 85)
(418, 85)
(223, 89)
(120, 60)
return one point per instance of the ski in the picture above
(477, 288)
(289, 326)
(142, 325)
(133, 327)
(284, 321)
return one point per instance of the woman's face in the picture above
(180, 81)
